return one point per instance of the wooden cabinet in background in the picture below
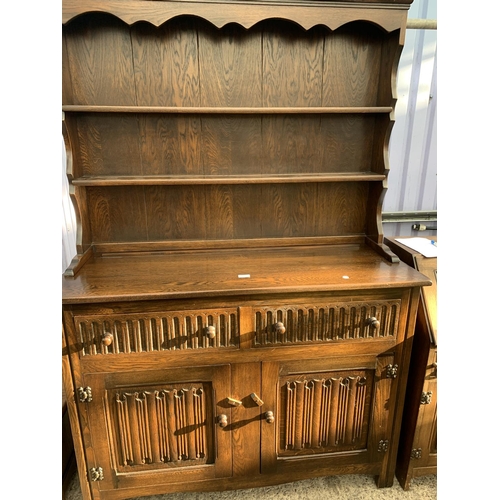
(233, 317)
(418, 448)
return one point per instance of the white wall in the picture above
(412, 182)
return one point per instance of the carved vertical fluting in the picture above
(307, 413)
(322, 413)
(342, 411)
(172, 426)
(290, 415)
(299, 415)
(316, 414)
(143, 427)
(334, 394)
(351, 402)
(124, 429)
(126, 333)
(162, 410)
(160, 426)
(180, 415)
(326, 398)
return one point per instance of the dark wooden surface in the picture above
(419, 429)
(215, 273)
(232, 307)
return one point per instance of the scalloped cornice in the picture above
(388, 15)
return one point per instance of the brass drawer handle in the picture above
(269, 416)
(222, 420)
(210, 331)
(373, 322)
(279, 328)
(107, 339)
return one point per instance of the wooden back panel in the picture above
(188, 62)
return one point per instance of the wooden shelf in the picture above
(166, 180)
(230, 110)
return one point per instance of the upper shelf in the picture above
(228, 109)
(167, 180)
(389, 15)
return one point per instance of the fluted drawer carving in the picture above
(164, 425)
(326, 322)
(325, 414)
(157, 332)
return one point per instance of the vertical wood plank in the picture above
(230, 75)
(246, 419)
(292, 144)
(166, 74)
(100, 60)
(108, 144)
(352, 65)
(292, 64)
(270, 431)
(175, 212)
(230, 66)
(347, 143)
(166, 63)
(170, 144)
(117, 214)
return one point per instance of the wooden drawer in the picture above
(158, 331)
(325, 322)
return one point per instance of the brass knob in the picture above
(269, 416)
(279, 328)
(374, 322)
(107, 339)
(210, 331)
(222, 420)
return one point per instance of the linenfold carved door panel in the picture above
(162, 425)
(322, 409)
(324, 412)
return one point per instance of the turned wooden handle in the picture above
(373, 321)
(269, 416)
(210, 331)
(107, 339)
(222, 420)
(279, 328)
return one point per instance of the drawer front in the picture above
(349, 321)
(155, 332)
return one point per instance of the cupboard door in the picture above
(335, 410)
(156, 427)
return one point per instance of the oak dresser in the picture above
(233, 317)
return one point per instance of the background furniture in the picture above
(68, 453)
(233, 316)
(418, 448)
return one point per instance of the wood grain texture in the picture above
(109, 144)
(166, 63)
(292, 65)
(229, 160)
(100, 61)
(199, 212)
(355, 54)
(307, 16)
(117, 214)
(215, 273)
(230, 66)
